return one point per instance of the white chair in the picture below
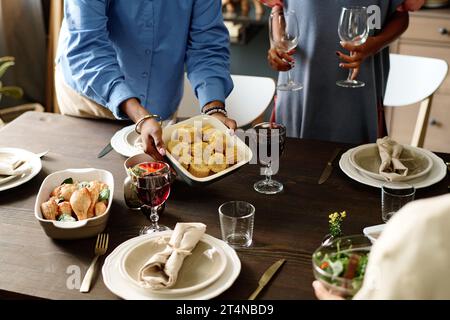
(248, 101)
(415, 80)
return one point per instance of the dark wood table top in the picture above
(290, 225)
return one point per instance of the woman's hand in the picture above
(230, 123)
(272, 3)
(323, 294)
(358, 54)
(151, 132)
(151, 135)
(279, 60)
(411, 5)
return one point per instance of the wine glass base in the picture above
(268, 187)
(350, 84)
(151, 229)
(291, 86)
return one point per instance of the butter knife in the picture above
(329, 167)
(105, 151)
(268, 274)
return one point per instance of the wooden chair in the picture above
(415, 80)
(246, 104)
(9, 114)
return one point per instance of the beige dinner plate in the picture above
(367, 160)
(204, 266)
(29, 170)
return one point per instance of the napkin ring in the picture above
(141, 120)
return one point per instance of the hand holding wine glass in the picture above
(284, 38)
(353, 31)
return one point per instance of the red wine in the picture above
(154, 197)
(266, 134)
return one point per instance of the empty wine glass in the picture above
(353, 29)
(270, 139)
(284, 36)
(152, 181)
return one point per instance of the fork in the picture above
(101, 246)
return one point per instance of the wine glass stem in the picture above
(154, 218)
(290, 74)
(350, 75)
(350, 71)
(268, 172)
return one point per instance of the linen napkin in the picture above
(11, 165)
(411, 258)
(161, 270)
(391, 168)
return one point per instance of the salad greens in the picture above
(104, 195)
(67, 181)
(348, 264)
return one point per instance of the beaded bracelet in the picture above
(216, 109)
(141, 120)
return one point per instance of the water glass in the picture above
(393, 197)
(236, 223)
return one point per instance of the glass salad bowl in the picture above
(340, 264)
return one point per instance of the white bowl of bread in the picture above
(76, 209)
(202, 150)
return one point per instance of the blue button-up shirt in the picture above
(113, 50)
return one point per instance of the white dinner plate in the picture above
(125, 289)
(123, 142)
(33, 167)
(203, 266)
(437, 173)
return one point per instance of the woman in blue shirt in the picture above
(126, 59)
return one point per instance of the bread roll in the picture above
(171, 145)
(199, 170)
(232, 155)
(181, 149)
(185, 160)
(217, 163)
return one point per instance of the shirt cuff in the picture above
(211, 91)
(119, 93)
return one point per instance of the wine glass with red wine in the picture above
(152, 181)
(270, 141)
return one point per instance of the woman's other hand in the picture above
(411, 5)
(358, 55)
(272, 3)
(322, 293)
(279, 60)
(151, 132)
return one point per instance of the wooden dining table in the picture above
(289, 225)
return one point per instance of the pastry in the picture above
(199, 170)
(185, 160)
(217, 163)
(181, 149)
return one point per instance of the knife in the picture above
(105, 151)
(268, 274)
(329, 167)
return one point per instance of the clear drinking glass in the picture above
(269, 137)
(353, 29)
(152, 181)
(393, 197)
(284, 35)
(236, 223)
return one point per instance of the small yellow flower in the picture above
(343, 214)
